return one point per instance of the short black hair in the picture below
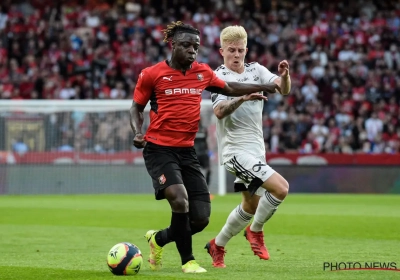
(178, 27)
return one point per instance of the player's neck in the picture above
(178, 66)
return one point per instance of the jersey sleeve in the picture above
(216, 97)
(214, 80)
(144, 88)
(266, 75)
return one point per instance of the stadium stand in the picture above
(344, 57)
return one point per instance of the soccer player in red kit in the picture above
(174, 88)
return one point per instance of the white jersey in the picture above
(242, 132)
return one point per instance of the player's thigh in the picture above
(193, 179)
(162, 164)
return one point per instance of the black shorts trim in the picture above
(252, 188)
(239, 187)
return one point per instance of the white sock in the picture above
(237, 221)
(265, 209)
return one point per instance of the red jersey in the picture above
(175, 101)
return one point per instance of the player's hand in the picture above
(271, 88)
(139, 141)
(283, 68)
(254, 96)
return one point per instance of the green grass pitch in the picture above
(68, 237)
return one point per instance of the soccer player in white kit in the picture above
(241, 146)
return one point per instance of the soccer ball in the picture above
(124, 259)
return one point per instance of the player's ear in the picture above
(246, 50)
(221, 51)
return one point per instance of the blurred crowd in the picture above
(344, 58)
(87, 132)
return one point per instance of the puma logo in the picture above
(169, 79)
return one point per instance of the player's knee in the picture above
(199, 225)
(179, 204)
(282, 189)
(177, 198)
(277, 186)
(199, 212)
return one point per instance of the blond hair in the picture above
(232, 34)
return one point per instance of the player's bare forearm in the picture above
(240, 89)
(137, 117)
(285, 83)
(227, 107)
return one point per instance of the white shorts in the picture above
(248, 169)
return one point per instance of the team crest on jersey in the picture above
(162, 179)
(200, 77)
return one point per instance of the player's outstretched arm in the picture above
(136, 122)
(227, 107)
(240, 89)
